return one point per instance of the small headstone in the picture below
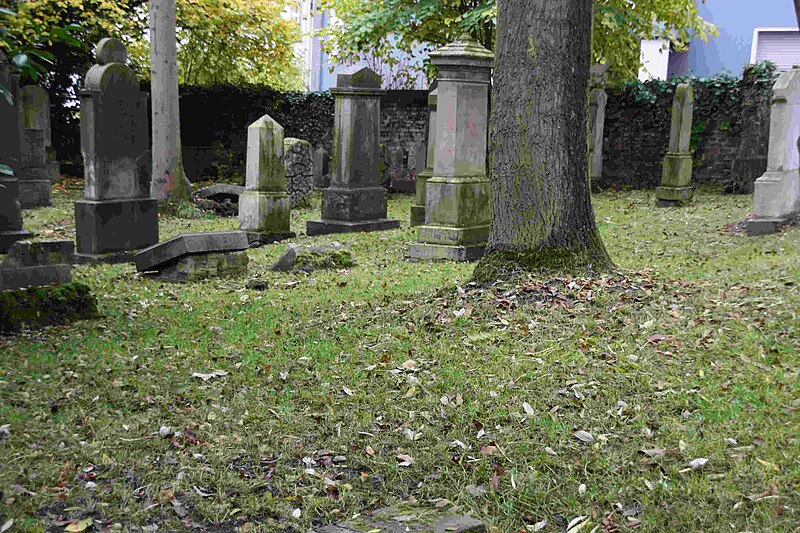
(597, 120)
(36, 116)
(355, 200)
(776, 195)
(117, 215)
(196, 256)
(322, 173)
(34, 175)
(676, 178)
(36, 264)
(264, 206)
(418, 206)
(299, 163)
(310, 258)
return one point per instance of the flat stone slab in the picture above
(327, 227)
(8, 238)
(310, 258)
(221, 191)
(39, 253)
(764, 226)
(110, 258)
(161, 254)
(392, 520)
(34, 276)
(423, 251)
(197, 267)
(45, 306)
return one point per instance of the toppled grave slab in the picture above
(37, 307)
(36, 263)
(391, 520)
(310, 258)
(196, 256)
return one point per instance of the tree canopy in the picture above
(364, 27)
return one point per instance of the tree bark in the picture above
(169, 184)
(543, 216)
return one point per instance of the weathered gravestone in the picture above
(418, 207)
(299, 163)
(310, 258)
(117, 215)
(264, 206)
(11, 120)
(458, 197)
(34, 177)
(322, 172)
(196, 256)
(36, 116)
(676, 178)
(777, 192)
(36, 263)
(355, 200)
(597, 120)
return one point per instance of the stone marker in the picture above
(777, 193)
(322, 172)
(458, 197)
(36, 116)
(117, 215)
(390, 520)
(36, 264)
(310, 258)
(299, 162)
(196, 256)
(355, 200)
(221, 191)
(676, 178)
(264, 206)
(34, 175)
(597, 120)
(10, 209)
(418, 207)
(38, 307)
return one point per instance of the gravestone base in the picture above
(673, 196)
(776, 199)
(465, 254)
(327, 227)
(197, 267)
(104, 228)
(765, 226)
(265, 213)
(34, 193)
(8, 238)
(260, 239)
(366, 203)
(417, 215)
(34, 276)
(110, 258)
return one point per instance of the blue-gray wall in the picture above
(735, 20)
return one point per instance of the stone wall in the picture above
(404, 138)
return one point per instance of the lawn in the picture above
(663, 397)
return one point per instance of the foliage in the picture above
(419, 25)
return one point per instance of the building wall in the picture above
(735, 20)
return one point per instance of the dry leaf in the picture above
(528, 409)
(584, 436)
(370, 451)
(80, 525)
(697, 464)
(405, 459)
(214, 374)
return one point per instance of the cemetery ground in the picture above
(663, 397)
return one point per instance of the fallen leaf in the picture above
(584, 436)
(7, 525)
(369, 451)
(80, 525)
(214, 374)
(550, 451)
(405, 459)
(477, 490)
(347, 391)
(772, 466)
(528, 409)
(697, 464)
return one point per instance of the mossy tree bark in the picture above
(543, 217)
(169, 184)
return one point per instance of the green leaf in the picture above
(7, 170)
(21, 60)
(7, 94)
(8, 12)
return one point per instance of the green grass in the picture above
(695, 341)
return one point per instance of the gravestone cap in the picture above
(684, 93)
(358, 76)
(110, 50)
(465, 50)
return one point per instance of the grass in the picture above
(693, 342)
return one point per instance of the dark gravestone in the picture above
(34, 175)
(35, 264)
(11, 120)
(36, 116)
(196, 256)
(117, 215)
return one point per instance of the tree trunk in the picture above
(543, 217)
(169, 184)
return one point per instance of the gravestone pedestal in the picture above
(418, 207)
(676, 178)
(355, 200)
(117, 216)
(458, 197)
(777, 193)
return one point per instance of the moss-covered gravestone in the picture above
(777, 192)
(418, 207)
(117, 215)
(36, 116)
(458, 197)
(11, 120)
(676, 177)
(355, 200)
(264, 206)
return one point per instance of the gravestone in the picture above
(597, 120)
(299, 163)
(777, 193)
(36, 264)
(310, 258)
(117, 215)
(196, 256)
(34, 176)
(418, 207)
(458, 197)
(264, 206)
(322, 172)
(10, 209)
(36, 116)
(676, 177)
(355, 200)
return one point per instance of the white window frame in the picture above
(758, 30)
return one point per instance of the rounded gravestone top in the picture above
(110, 50)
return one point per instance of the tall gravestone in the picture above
(777, 192)
(10, 119)
(418, 207)
(458, 197)
(355, 200)
(117, 215)
(36, 116)
(676, 177)
(264, 208)
(597, 120)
